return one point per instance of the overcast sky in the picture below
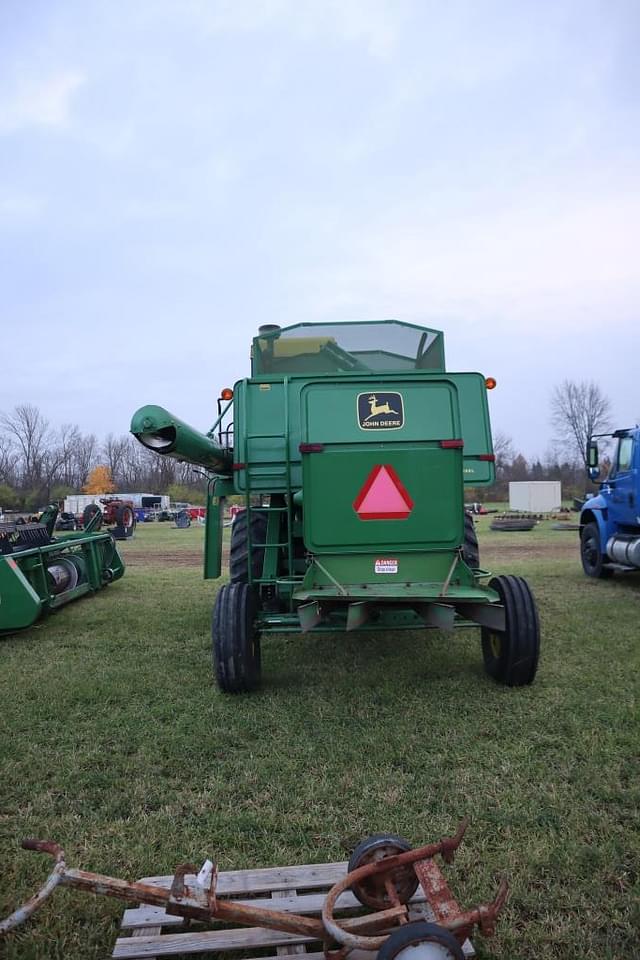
(173, 174)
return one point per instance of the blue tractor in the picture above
(610, 521)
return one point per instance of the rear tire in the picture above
(236, 641)
(593, 562)
(90, 511)
(126, 518)
(511, 657)
(470, 548)
(239, 547)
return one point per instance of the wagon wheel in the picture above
(511, 655)
(236, 641)
(421, 941)
(372, 891)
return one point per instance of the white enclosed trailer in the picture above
(535, 496)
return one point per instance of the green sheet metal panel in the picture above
(416, 468)
(271, 419)
(476, 428)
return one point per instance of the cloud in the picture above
(372, 23)
(19, 208)
(41, 102)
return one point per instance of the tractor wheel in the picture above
(470, 548)
(236, 642)
(90, 511)
(421, 940)
(511, 657)
(126, 518)
(239, 549)
(593, 562)
(371, 891)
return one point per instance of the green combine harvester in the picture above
(351, 446)
(40, 572)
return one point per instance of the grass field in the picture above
(115, 743)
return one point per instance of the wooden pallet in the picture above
(152, 933)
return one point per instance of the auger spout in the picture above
(160, 431)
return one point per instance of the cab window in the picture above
(625, 451)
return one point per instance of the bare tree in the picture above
(8, 462)
(579, 410)
(28, 431)
(114, 452)
(84, 456)
(503, 450)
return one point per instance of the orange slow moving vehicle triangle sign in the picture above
(383, 496)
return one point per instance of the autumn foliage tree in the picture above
(99, 481)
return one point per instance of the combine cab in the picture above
(351, 446)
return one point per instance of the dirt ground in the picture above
(538, 551)
(560, 550)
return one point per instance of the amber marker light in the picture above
(226, 394)
(490, 383)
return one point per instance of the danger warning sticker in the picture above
(386, 565)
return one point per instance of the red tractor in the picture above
(117, 513)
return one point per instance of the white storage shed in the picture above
(535, 496)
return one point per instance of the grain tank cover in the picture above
(387, 346)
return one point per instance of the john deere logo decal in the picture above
(380, 411)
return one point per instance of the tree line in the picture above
(40, 462)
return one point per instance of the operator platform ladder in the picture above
(256, 477)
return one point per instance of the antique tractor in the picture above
(115, 512)
(351, 447)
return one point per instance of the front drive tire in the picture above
(236, 642)
(592, 559)
(511, 657)
(470, 548)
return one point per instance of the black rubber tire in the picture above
(421, 931)
(236, 642)
(513, 525)
(371, 892)
(593, 562)
(126, 518)
(512, 657)
(470, 548)
(89, 511)
(239, 549)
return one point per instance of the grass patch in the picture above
(116, 743)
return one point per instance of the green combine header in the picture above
(351, 447)
(40, 572)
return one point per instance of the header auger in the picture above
(350, 445)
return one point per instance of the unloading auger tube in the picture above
(162, 432)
